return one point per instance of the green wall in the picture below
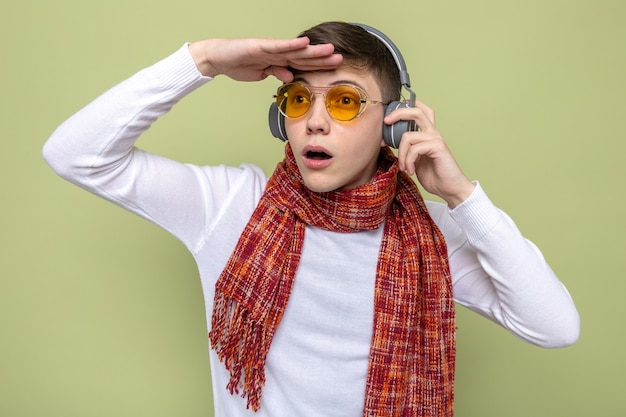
(101, 313)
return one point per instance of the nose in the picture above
(317, 116)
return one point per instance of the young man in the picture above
(329, 286)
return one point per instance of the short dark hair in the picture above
(360, 50)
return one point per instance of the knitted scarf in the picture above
(411, 364)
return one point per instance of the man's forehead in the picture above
(341, 75)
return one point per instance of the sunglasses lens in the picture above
(343, 102)
(293, 100)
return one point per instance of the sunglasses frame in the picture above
(362, 95)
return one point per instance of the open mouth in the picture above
(317, 155)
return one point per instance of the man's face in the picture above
(332, 154)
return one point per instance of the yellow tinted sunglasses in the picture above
(343, 102)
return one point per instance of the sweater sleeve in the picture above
(95, 149)
(503, 276)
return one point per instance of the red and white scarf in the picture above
(412, 355)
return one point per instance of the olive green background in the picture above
(101, 313)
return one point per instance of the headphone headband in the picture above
(405, 79)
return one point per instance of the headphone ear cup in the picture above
(277, 123)
(392, 134)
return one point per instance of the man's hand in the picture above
(256, 59)
(425, 154)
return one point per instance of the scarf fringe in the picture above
(239, 343)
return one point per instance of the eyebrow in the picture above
(332, 84)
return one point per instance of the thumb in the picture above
(282, 73)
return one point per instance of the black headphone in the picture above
(391, 133)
